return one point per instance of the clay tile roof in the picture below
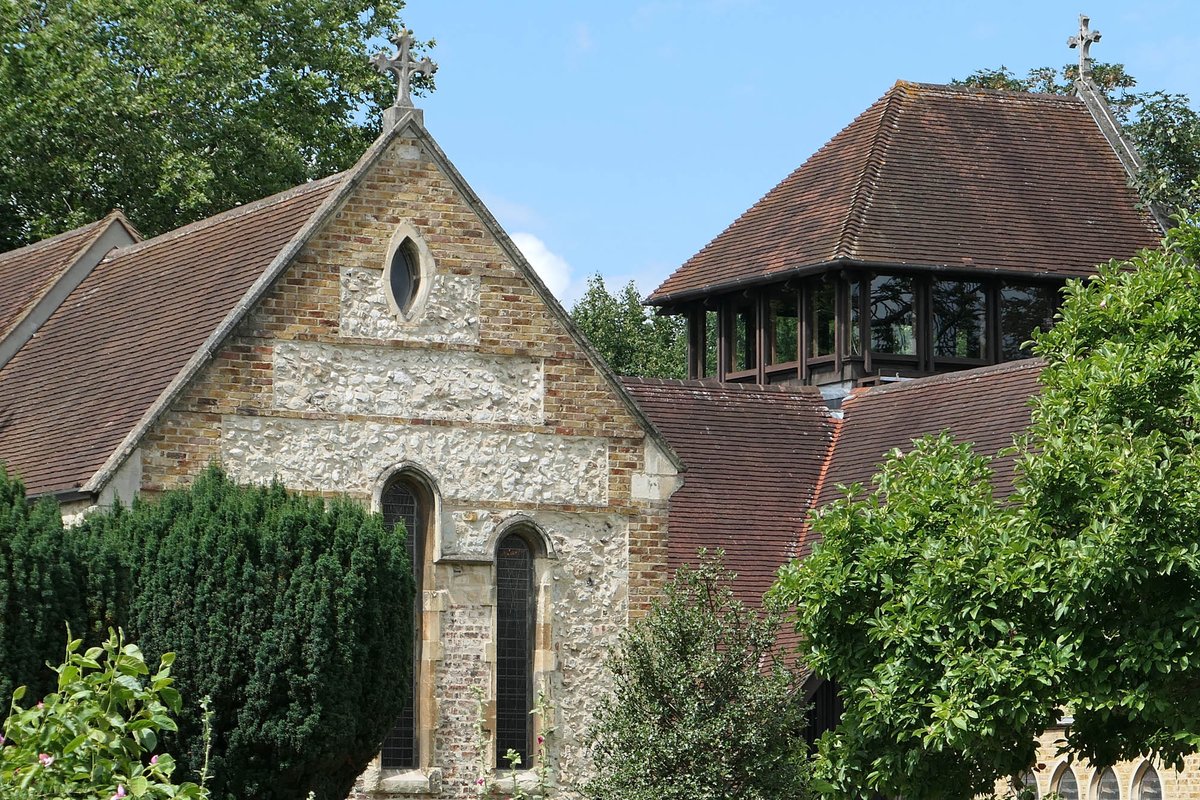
(127, 330)
(938, 177)
(753, 454)
(28, 272)
(986, 406)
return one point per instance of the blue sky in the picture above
(619, 137)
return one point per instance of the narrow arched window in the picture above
(516, 610)
(403, 501)
(1066, 785)
(1029, 781)
(404, 275)
(1107, 787)
(1147, 786)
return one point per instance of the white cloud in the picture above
(552, 268)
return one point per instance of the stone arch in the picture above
(408, 250)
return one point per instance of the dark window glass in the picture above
(893, 317)
(1148, 787)
(1023, 309)
(1067, 786)
(744, 356)
(784, 324)
(404, 275)
(401, 503)
(822, 310)
(710, 343)
(856, 304)
(1108, 788)
(959, 311)
(515, 612)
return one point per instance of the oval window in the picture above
(404, 275)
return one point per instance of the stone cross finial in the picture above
(1083, 41)
(403, 66)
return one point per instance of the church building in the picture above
(376, 334)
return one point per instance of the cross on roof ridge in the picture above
(403, 66)
(1084, 40)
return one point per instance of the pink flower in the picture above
(153, 759)
(119, 794)
(541, 739)
(46, 759)
(40, 705)
(479, 781)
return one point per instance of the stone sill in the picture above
(407, 783)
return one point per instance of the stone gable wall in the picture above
(324, 387)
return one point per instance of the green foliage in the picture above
(292, 614)
(39, 593)
(94, 737)
(631, 337)
(703, 704)
(956, 626)
(1113, 487)
(174, 109)
(1163, 127)
(927, 603)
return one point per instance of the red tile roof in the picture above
(97, 365)
(938, 177)
(28, 272)
(986, 407)
(753, 454)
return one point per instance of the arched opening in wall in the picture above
(516, 627)
(405, 499)
(1029, 781)
(1065, 783)
(403, 275)
(1106, 786)
(1146, 784)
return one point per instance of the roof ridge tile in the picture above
(864, 187)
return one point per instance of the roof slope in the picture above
(986, 406)
(80, 385)
(753, 455)
(938, 176)
(28, 272)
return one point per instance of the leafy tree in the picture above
(39, 592)
(928, 605)
(1112, 490)
(173, 110)
(957, 626)
(1163, 127)
(631, 337)
(94, 737)
(703, 704)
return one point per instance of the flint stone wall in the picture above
(428, 384)
(469, 464)
(450, 314)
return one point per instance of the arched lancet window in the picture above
(1066, 785)
(1107, 787)
(1147, 786)
(516, 613)
(404, 500)
(404, 275)
(1029, 780)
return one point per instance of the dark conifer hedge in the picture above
(293, 614)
